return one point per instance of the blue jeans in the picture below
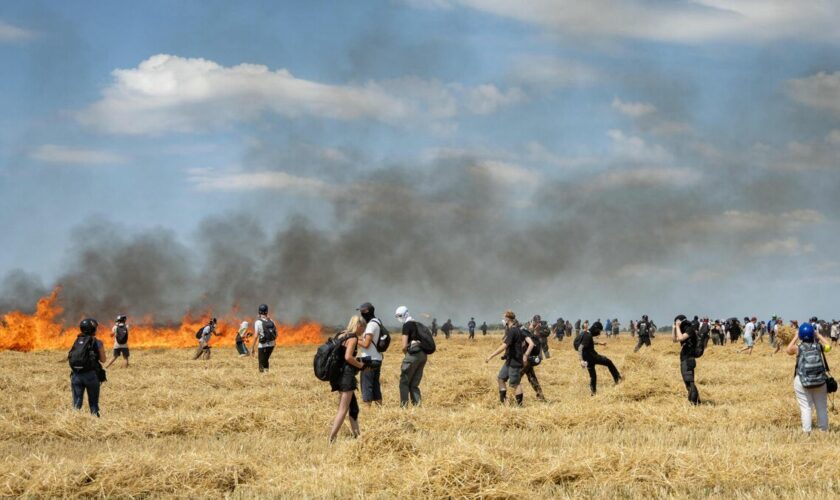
(371, 390)
(79, 382)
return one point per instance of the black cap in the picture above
(366, 305)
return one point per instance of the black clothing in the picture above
(688, 363)
(514, 338)
(410, 329)
(345, 378)
(593, 376)
(263, 353)
(587, 346)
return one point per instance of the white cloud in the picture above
(508, 173)
(633, 109)
(632, 148)
(820, 91)
(10, 33)
(550, 72)
(205, 179)
(646, 177)
(788, 247)
(169, 93)
(696, 21)
(740, 221)
(51, 153)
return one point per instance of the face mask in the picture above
(367, 315)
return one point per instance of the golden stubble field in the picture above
(176, 427)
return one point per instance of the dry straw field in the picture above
(175, 427)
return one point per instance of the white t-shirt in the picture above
(749, 329)
(372, 329)
(258, 330)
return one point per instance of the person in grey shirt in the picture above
(265, 338)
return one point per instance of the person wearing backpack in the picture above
(120, 335)
(204, 335)
(411, 371)
(483, 328)
(516, 357)
(265, 337)
(85, 358)
(686, 334)
(643, 332)
(471, 328)
(343, 379)
(589, 358)
(810, 376)
(532, 360)
(371, 355)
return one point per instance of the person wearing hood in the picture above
(589, 358)
(411, 371)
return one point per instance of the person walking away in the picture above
(686, 335)
(85, 358)
(749, 332)
(447, 328)
(471, 328)
(204, 336)
(411, 371)
(514, 359)
(532, 341)
(370, 356)
(577, 327)
(242, 336)
(344, 380)
(483, 328)
(589, 358)
(717, 333)
(632, 328)
(119, 333)
(643, 332)
(265, 338)
(810, 375)
(568, 328)
(616, 327)
(705, 330)
(434, 327)
(540, 333)
(608, 327)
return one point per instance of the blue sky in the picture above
(161, 114)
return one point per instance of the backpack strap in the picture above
(825, 361)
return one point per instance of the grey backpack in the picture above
(810, 366)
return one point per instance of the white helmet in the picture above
(243, 325)
(401, 314)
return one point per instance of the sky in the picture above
(461, 157)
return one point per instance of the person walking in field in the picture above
(411, 371)
(643, 332)
(810, 376)
(344, 380)
(717, 333)
(434, 327)
(532, 360)
(85, 358)
(686, 334)
(515, 358)
(265, 338)
(242, 336)
(483, 328)
(589, 358)
(370, 355)
(120, 335)
(471, 328)
(204, 336)
(749, 333)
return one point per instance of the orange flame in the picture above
(42, 330)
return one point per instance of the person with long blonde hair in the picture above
(344, 381)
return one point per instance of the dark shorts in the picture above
(121, 351)
(511, 374)
(346, 380)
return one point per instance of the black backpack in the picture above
(576, 343)
(328, 358)
(82, 356)
(424, 336)
(199, 333)
(122, 334)
(269, 331)
(384, 341)
(700, 342)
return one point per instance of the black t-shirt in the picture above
(410, 329)
(687, 349)
(643, 328)
(514, 338)
(587, 344)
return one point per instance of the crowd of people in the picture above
(359, 348)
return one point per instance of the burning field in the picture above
(176, 427)
(44, 330)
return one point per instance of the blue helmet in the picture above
(806, 332)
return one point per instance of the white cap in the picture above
(401, 313)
